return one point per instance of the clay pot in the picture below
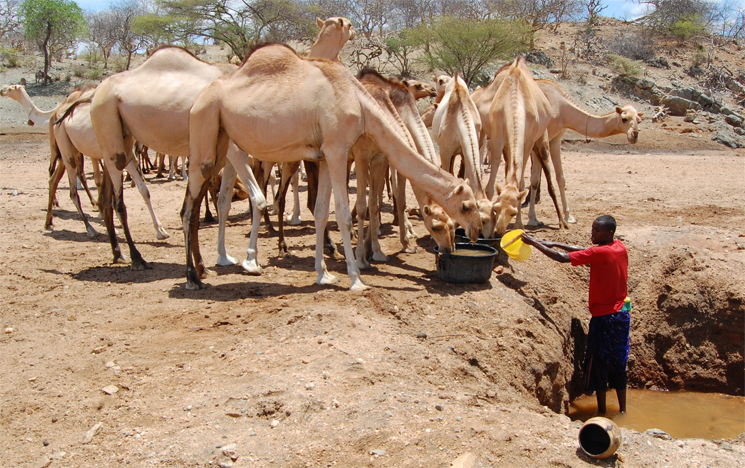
(600, 437)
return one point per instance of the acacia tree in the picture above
(593, 8)
(467, 46)
(129, 40)
(10, 17)
(53, 25)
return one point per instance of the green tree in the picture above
(467, 46)
(53, 25)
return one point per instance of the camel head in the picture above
(628, 122)
(441, 83)
(419, 90)
(440, 227)
(12, 91)
(461, 205)
(337, 26)
(488, 213)
(508, 199)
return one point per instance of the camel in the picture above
(71, 136)
(151, 104)
(35, 115)
(372, 165)
(281, 107)
(334, 33)
(565, 114)
(441, 83)
(456, 126)
(517, 121)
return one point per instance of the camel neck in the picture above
(585, 123)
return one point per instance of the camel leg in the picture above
(294, 220)
(172, 162)
(289, 170)
(223, 208)
(138, 263)
(543, 157)
(262, 172)
(555, 148)
(79, 166)
(184, 168)
(72, 158)
(495, 150)
(160, 231)
(106, 207)
(311, 171)
(406, 230)
(378, 169)
(362, 169)
(535, 181)
(335, 174)
(54, 179)
(240, 163)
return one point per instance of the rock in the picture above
(92, 433)
(274, 423)
(467, 460)
(225, 464)
(229, 451)
(690, 117)
(540, 58)
(727, 138)
(658, 433)
(678, 105)
(645, 83)
(378, 452)
(733, 120)
(9, 330)
(439, 407)
(110, 389)
(58, 455)
(310, 386)
(677, 64)
(421, 335)
(43, 462)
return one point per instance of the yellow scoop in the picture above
(514, 247)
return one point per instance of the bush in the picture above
(9, 55)
(625, 66)
(687, 27)
(633, 45)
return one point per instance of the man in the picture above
(608, 339)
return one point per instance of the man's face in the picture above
(600, 235)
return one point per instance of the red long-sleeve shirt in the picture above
(608, 276)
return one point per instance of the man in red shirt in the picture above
(608, 338)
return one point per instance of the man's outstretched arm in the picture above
(548, 248)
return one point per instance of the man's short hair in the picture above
(607, 222)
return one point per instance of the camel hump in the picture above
(271, 58)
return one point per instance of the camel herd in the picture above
(280, 108)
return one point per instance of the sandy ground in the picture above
(277, 371)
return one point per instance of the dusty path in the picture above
(298, 375)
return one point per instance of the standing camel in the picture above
(71, 136)
(517, 121)
(281, 107)
(151, 104)
(456, 126)
(18, 93)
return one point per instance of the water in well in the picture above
(681, 414)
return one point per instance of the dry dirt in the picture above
(288, 373)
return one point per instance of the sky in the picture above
(622, 9)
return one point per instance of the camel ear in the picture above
(319, 22)
(499, 189)
(640, 114)
(522, 195)
(618, 110)
(341, 23)
(427, 210)
(30, 122)
(405, 83)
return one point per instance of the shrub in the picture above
(633, 45)
(9, 55)
(625, 66)
(687, 27)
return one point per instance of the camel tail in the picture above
(55, 155)
(71, 108)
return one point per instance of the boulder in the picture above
(733, 120)
(540, 58)
(678, 105)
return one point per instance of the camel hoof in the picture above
(358, 286)
(121, 259)
(294, 222)
(226, 260)
(92, 233)
(410, 250)
(327, 278)
(141, 265)
(380, 257)
(195, 286)
(535, 224)
(363, 264)
(571, 219)
(162, 234)
(252, 267)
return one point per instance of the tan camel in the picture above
(19, 94)
(151, 103)
(255, 108)
(334, 34)
(518, 119)
(456, 126)
(72, 137)
(565, 114)
(372, 165)
(441, 83)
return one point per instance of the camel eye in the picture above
(624, 120)
(436, 229)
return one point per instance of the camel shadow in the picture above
(123, 273)
(245, 290)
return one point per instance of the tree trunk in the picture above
(45, 50)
